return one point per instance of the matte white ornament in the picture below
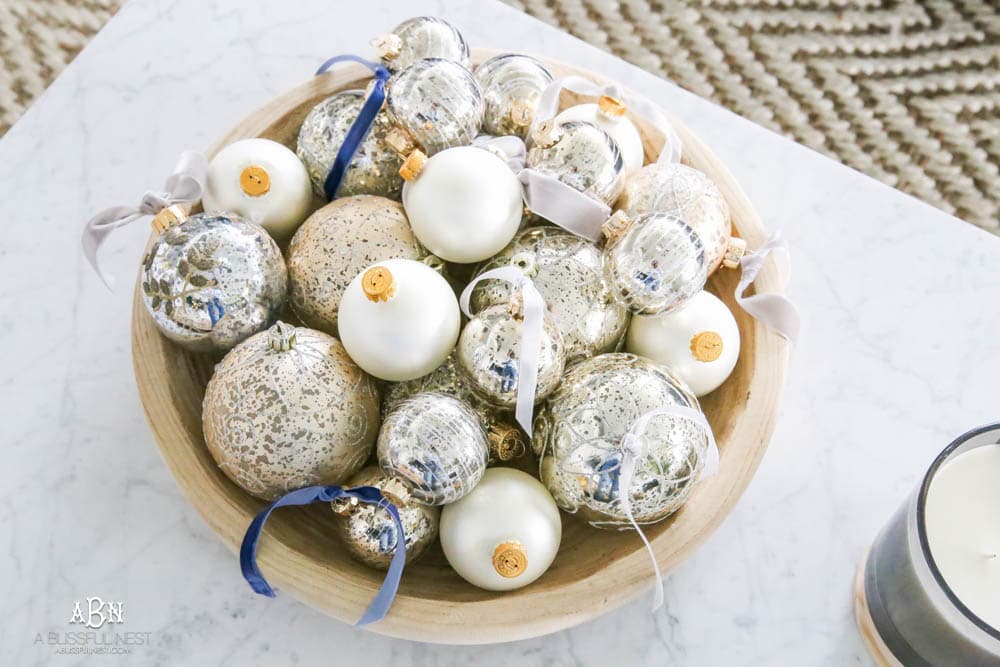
(504, 534)
(262, 181)
(464, 203)
(398, 319)
(699, 342)
(609, 115)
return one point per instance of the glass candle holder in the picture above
(929, 583)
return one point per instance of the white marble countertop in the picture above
(899, 354)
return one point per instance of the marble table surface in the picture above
(899, 354)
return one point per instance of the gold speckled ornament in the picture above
(335, 244)
(567, 271)
(687, 193)
(505, 438)
(287, 408)
(581, 428)
(370, 534)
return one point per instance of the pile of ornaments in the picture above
(386, 384)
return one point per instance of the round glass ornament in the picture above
(435, 446)
(212, 280)
(287, 408)
(261, 181)
(579, 154)
(370, 534)
(654, 263)
(419, 38)
(335, 244)
(567, 271)
(580, 429)
(375, 167)
(608, 113)
(511, 85)
(690, 195)
(436, 104)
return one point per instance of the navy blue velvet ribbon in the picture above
(379, 606)
(362, 124)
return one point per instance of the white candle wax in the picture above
(963, 529)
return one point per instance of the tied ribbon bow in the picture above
(184, 186)
(379, 606)
(531, 336)
(775, 310)
(361, 125)
(633, 451)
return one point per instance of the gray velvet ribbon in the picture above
(184, 186)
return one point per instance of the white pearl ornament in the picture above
(609, 115)
(699, 342)
(398, 319)
(262, 181)
(504, 534)
(464, 203)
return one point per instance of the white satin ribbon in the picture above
(548, 106)
(531, 336)
(774, 310)
(563, 205)
(510, 147)
(633, 452)
(184, 186)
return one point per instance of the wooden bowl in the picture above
(595, 571)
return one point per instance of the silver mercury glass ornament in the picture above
(693, 197)
(375, 167)
(489, 352)
(211, 280)
(511, 85)
(435, 104)
(435, 445)
(288, 408)
(505, 438)
(567, 271)
(368, 531)
(580, 429)
(654, 263)
(581, 155)
(418, 38)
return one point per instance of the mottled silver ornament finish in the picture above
(375, 167)
(511, 85)
(288, 408)
(505, 439)
(435, 445)
(581, 429)
(211, 281)
(687, 193)
(656, 264)
(489, 352)
(335, 244)
(567, 271)
(422, 37)
(370, 534)
(438, 102)
(583, 156)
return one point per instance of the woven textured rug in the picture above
(907, 91)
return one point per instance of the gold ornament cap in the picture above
(281, 337)
(344, 505)
(612, 107)
(396, 492)
(378, 284)
(506, 442)
(734, 253)
(510, 559)
(255, 181)
(706, 346)
(413, 165)
(168, 217)
(389, 46)
(547, 134)
(521, 112)
(616, 226)
(400, 141)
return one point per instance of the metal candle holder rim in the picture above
(922, 527)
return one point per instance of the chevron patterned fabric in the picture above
(907, 91)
